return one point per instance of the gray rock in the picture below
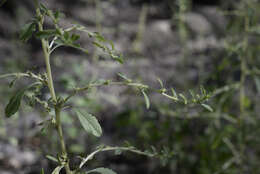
(198, 23)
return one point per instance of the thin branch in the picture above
(130, 149)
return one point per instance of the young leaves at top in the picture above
(101, 170)
(90, 123)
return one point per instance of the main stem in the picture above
(46, 51)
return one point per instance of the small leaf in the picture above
(42, 171)
(184, 98)
(99, 45)
(160, 81)
(46, 34)
(59, 15)
(74, 37)
(207, 107)
(203, 91)
(27, 31)
(147, 101)
(11, 84)
(43, 7)
(99, 37)
(66, 35)
(14, 103)
(90, 123)
(124, 77)
(57, 170)
(119, 59)
(112, 45)
(52, 158)
(174, 93)
(101, 170)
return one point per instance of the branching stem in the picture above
(58, 106)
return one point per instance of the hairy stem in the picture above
(46, 51)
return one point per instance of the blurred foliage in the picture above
(224, 141)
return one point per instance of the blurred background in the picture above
(185, 43)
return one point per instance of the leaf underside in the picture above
(90, 123)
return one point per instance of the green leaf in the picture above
(99, 45)
(174, 93)
(74, 37)
(57, 170)
(42, 171)
(160, 81)
(119, 59)
(101, 170)
(90, 123)
(52, 158)
(27, 31)
(43, 8)
(112, 45)
(58, 15)
(147, 101)
(11, 84)
(209, 108)
(99, 37)
(203, 91)
(66, 35)
(124, 77)
(184, 98)
(46, 34)
(15, 101)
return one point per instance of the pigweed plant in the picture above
(55, 37)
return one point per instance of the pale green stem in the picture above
(46, 51)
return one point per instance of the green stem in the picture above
(46, 51)
(61, 138)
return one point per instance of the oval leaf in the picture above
(14, 103)
(27, 31)
(102, 170)
(207, 107)
(90, 123)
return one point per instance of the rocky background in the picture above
(156, 44)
